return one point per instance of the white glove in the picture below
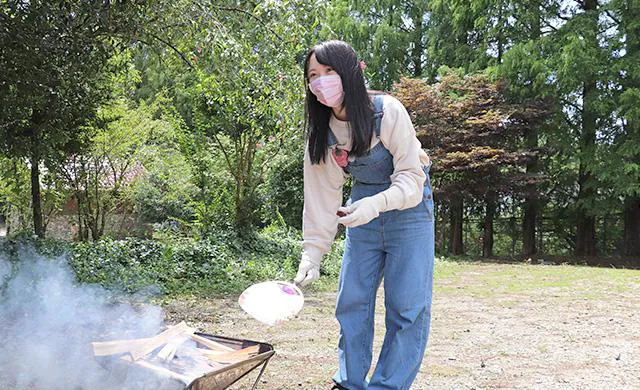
(308, 270)
(363, 210)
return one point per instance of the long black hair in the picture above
(343, 59)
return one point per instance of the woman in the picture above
(388, 219)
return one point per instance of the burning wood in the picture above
(169, 350)
(231, 357)
(210, 343)
(140, 347)
(175, 353)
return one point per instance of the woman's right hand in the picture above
(362, 211)
(308, 270)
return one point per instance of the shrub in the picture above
(226, 264)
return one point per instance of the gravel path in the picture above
(494, 326)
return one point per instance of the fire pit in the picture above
(224, 377)
(194, 360)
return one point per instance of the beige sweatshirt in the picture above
(323, 182)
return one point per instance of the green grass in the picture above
(449, 268)
(492, 280)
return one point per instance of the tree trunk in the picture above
(103, 221)
(438, 227)
(529, 222)
(513, 223)
(631, 234)
(416, 53)
(531, 204)
(487, 238)
(90, 219)
(82, 233)
(3, 224)
(35, 159)
(442, 214)
(586, 223)
(36, 199)
(585, 235)
(540, 231)
(455, 220)
(500, 39)
(631, 241)
(605, 238)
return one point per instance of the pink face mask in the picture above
(328, 90)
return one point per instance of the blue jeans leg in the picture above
(408, 281)
(360, 277)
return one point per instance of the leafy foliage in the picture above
(472, 133)
(203, 100)
(14, 191)
(215, 266)
(101, 176)
(240, 103)
(53, 77)
(388, 35)
(285, 190)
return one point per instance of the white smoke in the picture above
(48, 320)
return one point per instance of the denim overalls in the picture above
(398, 245)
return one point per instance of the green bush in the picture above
(226, 264)
(157, 201)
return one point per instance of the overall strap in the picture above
(378, 112)
(331, 141)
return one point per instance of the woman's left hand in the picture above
(363, 210)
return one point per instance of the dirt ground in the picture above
(494, 326)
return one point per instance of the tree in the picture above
(628, 144)
(14, 193)
(101, 176)
(525, 67)
(474, 136)
(240, 102)
(569, 56)
(504, 35)
(586, 224)
(53, 58)
(390, 36)
(582, 64)
(452, 39)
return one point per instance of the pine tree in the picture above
(389, 35)
(627, 144)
